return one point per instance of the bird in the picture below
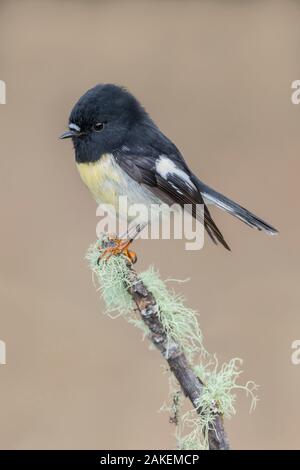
(120, 151)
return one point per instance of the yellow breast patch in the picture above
(103, 178)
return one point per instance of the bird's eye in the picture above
(99, 126)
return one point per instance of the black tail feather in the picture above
(212, 230)
(223, 202)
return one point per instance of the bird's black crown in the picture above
(101, 120)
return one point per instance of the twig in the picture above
(191, 385)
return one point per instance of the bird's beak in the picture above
(69, 134)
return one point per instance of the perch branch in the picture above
(191, 385)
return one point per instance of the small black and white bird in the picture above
(120, 151)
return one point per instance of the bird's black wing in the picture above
(170, 186)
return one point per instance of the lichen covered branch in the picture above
(146, 302)
(172, 352)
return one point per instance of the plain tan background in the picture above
(216, 76)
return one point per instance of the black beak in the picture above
(69, 134)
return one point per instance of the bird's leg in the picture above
(118, 246)
(134, 231)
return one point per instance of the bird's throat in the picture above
(102, 178)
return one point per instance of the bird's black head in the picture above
(101, 120)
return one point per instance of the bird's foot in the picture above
(118, 246)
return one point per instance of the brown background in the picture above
(216, 77)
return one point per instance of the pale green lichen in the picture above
(179, 321)
(218, 396)
(112, 278)
(181, 325)
(221, 385)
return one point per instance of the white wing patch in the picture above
(164, 166)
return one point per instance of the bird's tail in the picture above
(223, 202)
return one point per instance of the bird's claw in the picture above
(118, 247)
